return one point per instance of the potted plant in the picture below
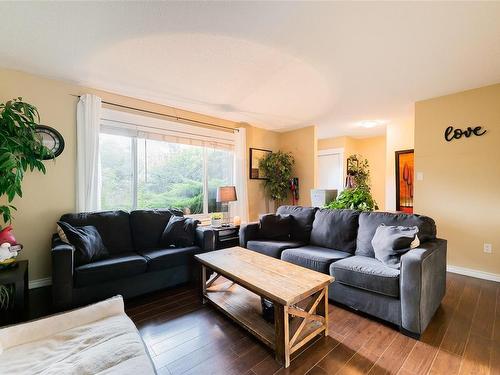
(20, 150)
(278, 168)
(216, 219)
(357, 194)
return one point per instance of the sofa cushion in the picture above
(316, 258)
(275, 227)
(147, 227)
(272, 248)
(161, 259)
(367, 273)
(179, 232)
(370, 221)
(115, 267)
(113, 226)
(335, 229)
(87, 242)
(302, 221)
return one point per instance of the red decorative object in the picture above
(6, 235)
(294, 187)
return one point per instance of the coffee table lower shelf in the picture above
(244, 307)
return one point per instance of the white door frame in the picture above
(333, 151)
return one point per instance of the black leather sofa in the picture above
(137, 263)
(338, 242)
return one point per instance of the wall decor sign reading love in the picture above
(451, 133)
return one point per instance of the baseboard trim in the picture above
(474, 273)
(40, 282)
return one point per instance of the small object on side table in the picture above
(225, 237)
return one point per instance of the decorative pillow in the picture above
(62, 235)
(391, 242)
(179, 232)
(87, 242)
(275, 227)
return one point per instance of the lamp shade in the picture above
(226, 194)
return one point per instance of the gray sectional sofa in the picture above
(338, 242)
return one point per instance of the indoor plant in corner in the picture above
(20, 150)
(357, 194)
(278, 168)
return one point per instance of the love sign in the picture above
(451, 133)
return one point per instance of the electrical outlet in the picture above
(488, 248)
(420, 176)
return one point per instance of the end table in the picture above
(17, 275)
(226, 236)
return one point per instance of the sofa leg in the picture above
(413, 335)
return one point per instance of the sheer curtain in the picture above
(240, 174)
(88, 119)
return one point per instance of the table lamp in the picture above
(226, 194)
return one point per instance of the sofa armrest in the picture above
(62, 273)
(205, 239)
(423, 284)
(248, 232)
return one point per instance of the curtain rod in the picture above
(177, 118)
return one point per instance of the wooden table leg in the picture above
(322, 310)
(282, 334)
(203, 284)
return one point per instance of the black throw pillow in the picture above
(275, 227)
(87, 242)
(391, 242)
(179, 232)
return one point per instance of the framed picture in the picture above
(404, 180)
(256, 155)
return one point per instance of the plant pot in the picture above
(216, 223)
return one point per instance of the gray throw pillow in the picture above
(391, 242)
(275, 227)
(179, 232)
(87, 242)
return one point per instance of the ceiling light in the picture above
(371, 123)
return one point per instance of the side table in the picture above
(18, 276)
(226, 236)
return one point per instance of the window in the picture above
(159, 168)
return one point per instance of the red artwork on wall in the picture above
(404, 180)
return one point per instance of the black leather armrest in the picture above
(248, 232)
(205, 239)
(62, 273)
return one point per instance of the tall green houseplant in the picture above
(357, 194)
(278, 169)
(20, 150)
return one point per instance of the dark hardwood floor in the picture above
(186, 337)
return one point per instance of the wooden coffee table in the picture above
(300, 297)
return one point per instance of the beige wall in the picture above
(46, 197)
(373, 149)
(258, 202)
(303, 144)
(399, 136)
(461, 179)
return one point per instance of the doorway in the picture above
(331, 169)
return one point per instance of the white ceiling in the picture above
(276, 65)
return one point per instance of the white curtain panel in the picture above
(240, 173)
(88, 120)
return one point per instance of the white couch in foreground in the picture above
(97, 339)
